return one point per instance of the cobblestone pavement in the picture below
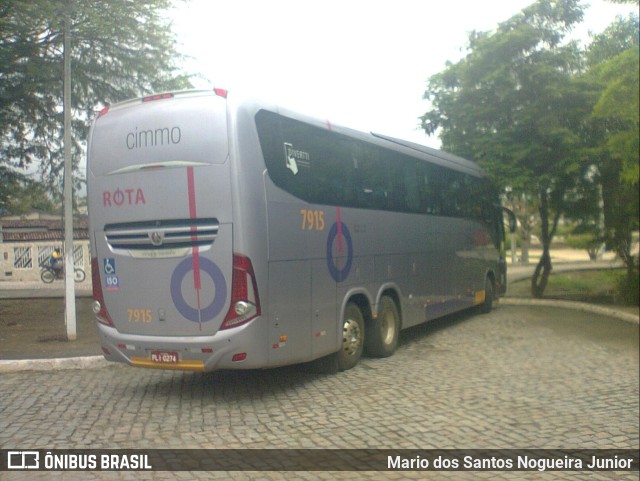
(515, 378)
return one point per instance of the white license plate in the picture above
(162, 357)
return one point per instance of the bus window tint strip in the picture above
(352, 173)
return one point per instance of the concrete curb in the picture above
(85, 362)
(92, 362)
(578, 306)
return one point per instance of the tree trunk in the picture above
(525, 244)
(543, 269)
(541, 274)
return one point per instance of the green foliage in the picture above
(621, 35)
(627, 288)
(585, 241)
(614, 69)
(515, 105)
(20, 195)
(595, 286)
(619, 104)
(119, 49)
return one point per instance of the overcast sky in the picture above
(363, 64)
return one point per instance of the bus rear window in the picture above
(153, 134)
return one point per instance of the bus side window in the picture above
(412, 186)
(435, 192)
(395, 188)
(374, 179)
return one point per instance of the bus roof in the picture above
(413, 149)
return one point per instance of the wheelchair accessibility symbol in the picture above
(111, 281)
(197, 313)
(109, 266)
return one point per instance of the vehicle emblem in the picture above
(156, 238)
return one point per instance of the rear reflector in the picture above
(241, 356)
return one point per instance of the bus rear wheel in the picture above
(352, 338)
(384, 330)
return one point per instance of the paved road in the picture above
(515, 378)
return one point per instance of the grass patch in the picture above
(595, 286)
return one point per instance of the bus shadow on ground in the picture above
(418, 334)
(242, 385)
(226, 386)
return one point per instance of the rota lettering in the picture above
(120, 197)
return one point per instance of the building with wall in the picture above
(27, 241)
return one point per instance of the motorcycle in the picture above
(48, 274)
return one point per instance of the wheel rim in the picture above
(388, 327)
(351, 337)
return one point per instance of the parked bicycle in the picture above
(48, 274)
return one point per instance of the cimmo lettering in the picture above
(140, 139)
(120, 197)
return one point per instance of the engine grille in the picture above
(162, 234)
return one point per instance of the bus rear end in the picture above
(169, 290)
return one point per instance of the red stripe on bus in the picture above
(194, 232)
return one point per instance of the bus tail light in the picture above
(221, 92)
(99, 309)
(103, 112)
(245, 302)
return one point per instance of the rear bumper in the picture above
(193, 353)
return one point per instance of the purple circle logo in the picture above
(339, 231)
(198, 313)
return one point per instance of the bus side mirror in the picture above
(512, 219)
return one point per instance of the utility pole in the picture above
(69, 291)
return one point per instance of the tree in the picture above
(613, 59)
(120, 49)
(20, 194)
(515, 105)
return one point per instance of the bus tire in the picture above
(353, 336)
(486, 306)
(324, 365)
(383, 331)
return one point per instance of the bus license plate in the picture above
(161, 357)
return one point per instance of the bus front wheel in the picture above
(352, 338)
(486, 306)
(384, 329)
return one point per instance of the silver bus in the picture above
(228, 233)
